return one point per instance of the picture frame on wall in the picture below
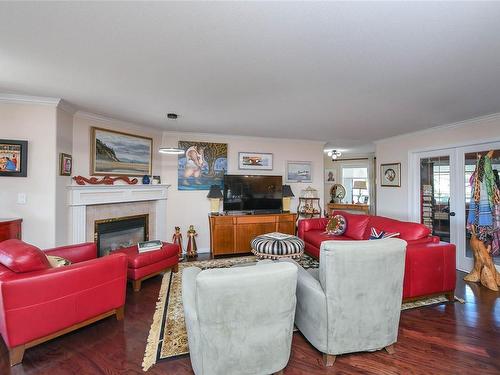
(330, 176)
(116, 153)
(65, 164)
(13, 158)
(298, 171)
(255, 160)
(390, 175)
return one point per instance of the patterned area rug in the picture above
(167, 336)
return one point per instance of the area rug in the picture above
(168, 337)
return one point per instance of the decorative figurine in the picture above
(146, 180)
(177, 240)
(191, 250)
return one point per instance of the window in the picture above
(350, 175)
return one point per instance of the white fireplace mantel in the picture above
(81, 196)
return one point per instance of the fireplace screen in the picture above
(114, 234)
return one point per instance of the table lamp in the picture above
(215, 195)
(361, 185)
(287, 197)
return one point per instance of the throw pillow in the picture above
(56, 261)
(336, 225)
(378, 235)
(20, 257)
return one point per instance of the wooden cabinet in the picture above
(10, 228)
(232, 234)
(355, 208)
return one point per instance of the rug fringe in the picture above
(154, 332)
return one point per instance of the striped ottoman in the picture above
(277, 245)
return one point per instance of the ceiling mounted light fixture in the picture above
(334, 154)
(171, 150)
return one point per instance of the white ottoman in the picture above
(277, 245)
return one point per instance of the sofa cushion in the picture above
(408, 231)
(19, 256)
(316, 236)
(356, 224)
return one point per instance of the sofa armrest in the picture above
(39, 303)
(75, 253)
(189, 276)
(305, 225)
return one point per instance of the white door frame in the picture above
(457, 191)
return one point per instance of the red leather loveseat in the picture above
(38, 302)
(430, 264)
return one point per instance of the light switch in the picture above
(21, 198)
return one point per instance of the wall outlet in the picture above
(21, 198)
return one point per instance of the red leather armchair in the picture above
(37, 306)
(429, 266)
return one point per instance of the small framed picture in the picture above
(390, 175)
(255, 160)
(298, 171)
(13, 158)
(65, 164)
(330, 175)
(156, 180)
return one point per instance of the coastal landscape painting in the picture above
(201, 165)
(120, 154)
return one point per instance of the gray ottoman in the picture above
(277, 245)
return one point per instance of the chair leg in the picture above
(390, 349)
(120, 313)
(328, 359)
(175, 268)
(137, 285)
(280, 372)
(450, 296)
(16, 355)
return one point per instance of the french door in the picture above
(440, 193)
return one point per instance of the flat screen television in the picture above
(252, 194)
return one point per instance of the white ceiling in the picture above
(325, 71)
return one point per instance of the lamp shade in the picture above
(215, 192)
(360, 185)
(287, 191)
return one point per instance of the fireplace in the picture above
(116, 233)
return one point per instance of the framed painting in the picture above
(201, 165)
(298, 171)
(65, 164)
(330, 175)
(13, 158)
(390, 175)
(255, 160)
(116, 153)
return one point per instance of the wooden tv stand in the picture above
(231, 234)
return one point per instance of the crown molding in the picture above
(26, 99)
(109, 120)
(66, 107)
(471, 121)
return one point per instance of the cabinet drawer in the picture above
(222, 220)
(250, 219)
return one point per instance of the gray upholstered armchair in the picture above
(240, 320)
(352, 303)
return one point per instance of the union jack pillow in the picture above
(380, 234)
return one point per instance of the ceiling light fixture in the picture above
(171, 150)
(334, 154)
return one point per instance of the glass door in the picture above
(435, 194)
(469, 155)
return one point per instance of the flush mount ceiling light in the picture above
(334, 154)
(171, 150)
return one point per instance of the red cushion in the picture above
(315, 237)
(356, 224)
(408, 231)
(22, 257)
(138, 260)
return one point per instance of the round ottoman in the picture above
(277, 245)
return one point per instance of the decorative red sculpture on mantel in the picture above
(106, 180)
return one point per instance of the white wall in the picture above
(393, 202)
(35, 123)
(192, 207)
(64, 144)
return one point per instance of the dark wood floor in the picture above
(444, 339)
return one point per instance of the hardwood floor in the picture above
(445, 339)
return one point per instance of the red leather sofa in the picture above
(39, 303)
(430, 263)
